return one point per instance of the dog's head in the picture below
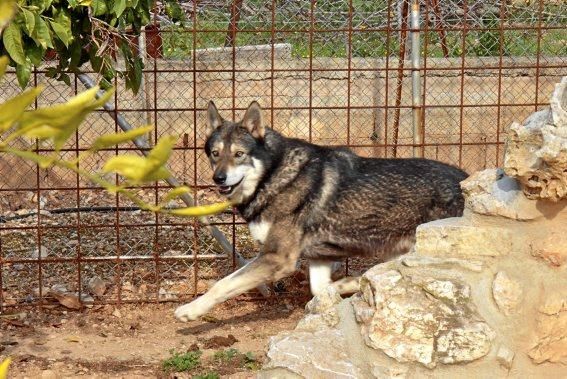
(234, 150)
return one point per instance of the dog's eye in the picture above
(239, 154)
(215, 153)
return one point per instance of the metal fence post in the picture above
(416, 80)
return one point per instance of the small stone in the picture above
(507, 293)
(96, 286)
(381, 372)
(505, 357)
(323, 301)
(49, 374)
(312, 323)
(42, 253)
(116, 313)
(321, 354)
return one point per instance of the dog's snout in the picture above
(219, 177)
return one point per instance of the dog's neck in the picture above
(282, 168)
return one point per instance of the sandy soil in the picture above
(131, 341)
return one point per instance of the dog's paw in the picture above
(188, 312)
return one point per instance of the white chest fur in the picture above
(259, 230)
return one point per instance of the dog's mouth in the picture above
(227, 190)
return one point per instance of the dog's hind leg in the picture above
(319, 275)
(320, 278)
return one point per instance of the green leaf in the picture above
(23, 73)
(41, 4)
(41, 34)
(7, 10)
(12, 39)
(14, 108)
(174, 11)
(119, 7)
(110, 140)
(34, 53)
(29, 20)
(65, 78)
(62, 18)
(61, 32)
(99, 7)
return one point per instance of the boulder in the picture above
(536, 151)
(482, 295)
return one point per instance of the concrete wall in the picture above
(174, 91)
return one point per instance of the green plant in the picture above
(208, 375)
(225, 355)
(246, 360)
(250, 361)
(78, 31)
(179, 362)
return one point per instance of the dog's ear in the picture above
(253, 120)
(214, 119)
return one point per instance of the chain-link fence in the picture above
(333, 72)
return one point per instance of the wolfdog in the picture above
(316, 202)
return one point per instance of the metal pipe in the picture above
(416, 80)
(187, 199)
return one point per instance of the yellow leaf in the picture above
(13, 109)
(202, 210)
(42, 132)
(3, 65)
(176, 192)
(67, 117)
(73, 339)
(4, 368)
(7, 10)
(160, 174)
(42, 160)
(162, 150)
(131, 167)
(110, 140)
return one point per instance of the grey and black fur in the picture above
(316, 202)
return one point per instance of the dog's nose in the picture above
(219, 178)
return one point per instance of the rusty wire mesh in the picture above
(333, 72)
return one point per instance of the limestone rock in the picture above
(551, 340)
(320, 354)
(322, 308)
(552, 249)
(505, 357)
(536, 152)
(491, 192)
(507, 293)
(381, 372)
(413, 260)
(462, 238)
(424, 320)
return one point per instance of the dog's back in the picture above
(349, 205)
(378, 203)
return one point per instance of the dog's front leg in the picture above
(264, 268)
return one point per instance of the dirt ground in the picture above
(132, 341)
